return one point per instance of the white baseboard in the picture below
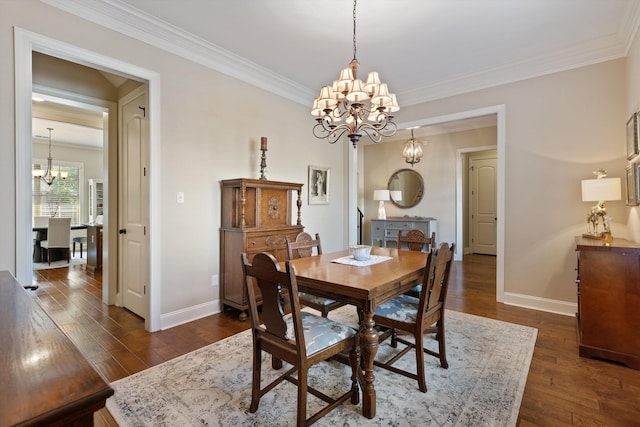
(189, 314)
(542, 304)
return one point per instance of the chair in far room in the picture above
(58, 237)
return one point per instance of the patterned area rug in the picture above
(488, 366)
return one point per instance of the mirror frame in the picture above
(419, 196)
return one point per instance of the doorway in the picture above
(25, 44)
(499, 111)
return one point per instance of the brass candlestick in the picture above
(263, 162)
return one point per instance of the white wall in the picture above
(633, 105)
(559, 128)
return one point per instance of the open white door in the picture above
(133, 203)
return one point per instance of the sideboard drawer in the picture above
(387, 229)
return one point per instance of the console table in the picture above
(608, 285)
(383, 230)
(45, 379)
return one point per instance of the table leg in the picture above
(369, 348)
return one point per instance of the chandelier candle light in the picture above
(381, 195)
(354, 107)
(49, 175)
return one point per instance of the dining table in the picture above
(41, 234)
(389, 272)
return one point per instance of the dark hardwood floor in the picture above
(562, 389)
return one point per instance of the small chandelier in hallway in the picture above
(363, 108)
(412, 151)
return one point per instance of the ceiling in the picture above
(423, 49)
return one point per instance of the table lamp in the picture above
(381, 195)
(600, 190)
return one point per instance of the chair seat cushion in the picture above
(403, 308)
(312, 299)
(319, 332)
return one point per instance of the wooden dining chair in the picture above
(418, 316)
(416, 240)
(299, 338)
(304, 247)
(58, 237)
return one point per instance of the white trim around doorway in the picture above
(26, 42)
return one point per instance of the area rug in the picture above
(58, 264)
(488, 366)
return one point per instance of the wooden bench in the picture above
(45, 380)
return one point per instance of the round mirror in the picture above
(406, 188)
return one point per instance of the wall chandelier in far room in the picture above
(412, 151)
(354, 107)
(49, 175)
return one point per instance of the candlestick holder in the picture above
(263, 163)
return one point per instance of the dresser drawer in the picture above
(400, 225)
(266, 242)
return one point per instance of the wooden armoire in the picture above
(257, 216)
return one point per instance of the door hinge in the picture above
(144, 230)
(144, 289)
(144, 111)
(144, 171)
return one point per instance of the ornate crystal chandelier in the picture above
(412, 151)
(49, 175)
(354, 107)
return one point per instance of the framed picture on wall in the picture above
(632, 137)
(319, 185)
(632, 184)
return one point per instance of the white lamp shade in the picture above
(601, 190)
(396, 195)
(380, 194)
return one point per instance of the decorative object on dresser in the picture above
(257, 216)
(263, 159)
(411, 186)
(387, 230)
(381, 196)
(412, 151)
(599, 190)
(319, 185)
(632, 137)
(363, 108)
(608, 289)
(632, 175)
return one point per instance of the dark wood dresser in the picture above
(608, 317)
(257, 216)
(45, 380)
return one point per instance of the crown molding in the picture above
(131, 22)
(122, 18)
